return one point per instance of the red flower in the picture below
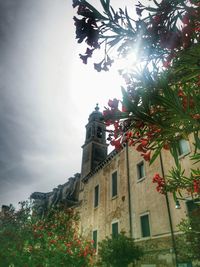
(139, 124)
(140, 148)
(170, 40)
(180, 93)
(53, 241)
(50, 234)
(107, 112)
(131, 142)
(161, 183)
(186, 18)
(186, 35)
(166, 146)
(187, 102)
(196, 185)
(196, 116)
(129, 134)
(117, 144)
(166, 63)
(146, 155)
(157, 19)
(124, 109)
(144, 142)
(113, 103)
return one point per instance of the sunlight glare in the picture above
(129, 62)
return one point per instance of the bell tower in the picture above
(95, 147)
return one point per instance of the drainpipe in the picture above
(169, 215)
(129, 192)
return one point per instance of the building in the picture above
(115, 193)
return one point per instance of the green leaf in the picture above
(114, 41)
(128, 19)
(197, 140)
(174, 152)
(126, 101)
(96, 12)
(155, 155)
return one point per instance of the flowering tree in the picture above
(27, 240)
(161, 101)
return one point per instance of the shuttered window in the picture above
(140, 170)
(183, 147)
(94, 237)
(115, 229)
(96, 196)
(145, 228)
(114, 184)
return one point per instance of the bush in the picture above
(118, 251)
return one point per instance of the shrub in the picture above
(118, 251)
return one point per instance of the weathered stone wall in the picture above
(144, 200)
(158, 252)
(109, 209)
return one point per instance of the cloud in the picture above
(46, 96)
(33, 98)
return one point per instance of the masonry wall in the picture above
(109, 209)
(144, 200)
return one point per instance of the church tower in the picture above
(95, 147)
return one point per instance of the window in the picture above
(94, 238)
(185, 264)
(96, 196)
(89, 130)
(114, 184)
(115, 229)
(140, 170)
(183, 147)
(193, 209)
(145, 228)
(99, 132)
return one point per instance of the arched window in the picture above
(99, 132)
(88, 133)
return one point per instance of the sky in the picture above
(46, 96)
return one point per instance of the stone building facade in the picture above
(118, 196)
(114, 193)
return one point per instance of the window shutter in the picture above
(114, 184)
(94, 237)
(96, 196)
(115, 230)
(145, 225)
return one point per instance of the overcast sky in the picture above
(46, 96)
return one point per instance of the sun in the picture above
(129, 62)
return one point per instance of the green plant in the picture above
(118, 251)
(43, 242)
(161, 99)
(188, 244)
